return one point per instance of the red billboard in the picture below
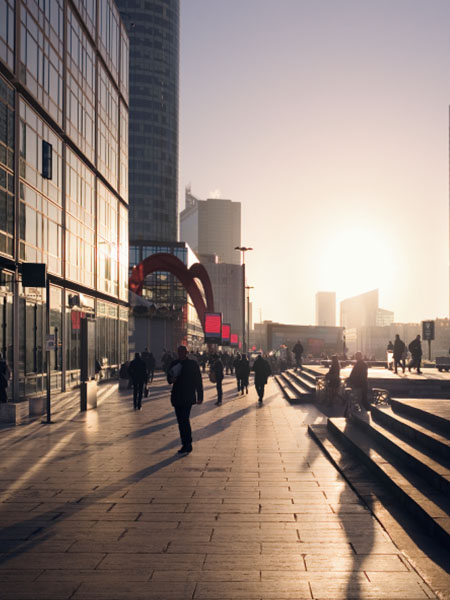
(213, 328)
(234, 340)
(226, 333)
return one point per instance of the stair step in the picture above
(433, 441)
(300, 391)
(428, 410)
(301, 380)
(290, 396)
(435, 470)
(432, 508)
(305, 374)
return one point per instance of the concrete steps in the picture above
(408, 446)
(297, 386)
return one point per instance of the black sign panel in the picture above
(47, 160)
(428, 330)
(34, 274)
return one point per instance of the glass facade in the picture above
(168, 299)
(63, 186)
(153, 27)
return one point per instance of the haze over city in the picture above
(328, 121)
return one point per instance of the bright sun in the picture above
(356, 260)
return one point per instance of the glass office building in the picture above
(164, 316)
(154, 30)
(63, 186)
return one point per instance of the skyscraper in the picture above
(326, 309)
(211, 227)
(153, 27)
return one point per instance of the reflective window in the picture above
(80, 109)
(41, 53)
(109, 35)
(6, 167)
(7, 32)
(107, 247)
(108, 128)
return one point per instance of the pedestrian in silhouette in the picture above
(187, 390)
(244, 373)
(333, 379)
(399, 353)
(358, 379)
(415, 347)
(236, 363)
(4, 378)
(262, 371)
(138, 374)
(298, 351)
(217, 369)
(150, 361)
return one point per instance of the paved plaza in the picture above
(100, 506)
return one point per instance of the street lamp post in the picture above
(243, 250)
(248, 287)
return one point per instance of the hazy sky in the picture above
(329, 121)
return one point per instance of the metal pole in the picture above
(248, 318)
(429, 349)
(244, 348)
(47, 351)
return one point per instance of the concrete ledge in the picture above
(37, 405)
(14, 412)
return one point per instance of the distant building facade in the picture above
(164, 316)
(363, 311)
(316, 341)
(326, 309)
(63, 187)
(154, 30)
(212, 226)
(226, 281)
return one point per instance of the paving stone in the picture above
(256, 511)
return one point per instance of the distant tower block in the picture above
(326, 309)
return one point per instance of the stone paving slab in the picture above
(100, 506)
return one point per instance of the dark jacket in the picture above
(399, 348)
(358, 376)
(4, 373)
(262, 371)
(243, 370)
(217, 367)
(334, 375)
(188, 386)
(415, 347)
(137, 370)
(297, 350)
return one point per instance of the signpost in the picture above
(226, 333)
(428, 334)
(213, 328)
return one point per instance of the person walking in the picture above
(138, 374)
(358, 379)
(150, 361)
(262, 371)
(415, 347)
(244, 373)
(187, 389)
(298, 351)
(217, 369)
(236, 363)
(4, 378)
(333, 379)
(398, 350)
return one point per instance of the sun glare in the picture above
(356, 260)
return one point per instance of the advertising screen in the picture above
(226, 333)
(213, 328)
(234, 340)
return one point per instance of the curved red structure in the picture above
(170, 263)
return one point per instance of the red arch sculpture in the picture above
(170, 263)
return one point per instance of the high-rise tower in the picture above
(153, 27)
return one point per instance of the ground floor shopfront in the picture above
(30, 323)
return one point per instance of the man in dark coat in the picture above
(138, 374)
(187, 390)
(217, 367)
(358, 379)
(298, 351)
(399, 348)
(262, 371)
(415, 347)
